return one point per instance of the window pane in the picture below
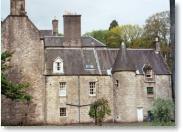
(62, 91)
(150, 90)
(62, 111)
(92, 88)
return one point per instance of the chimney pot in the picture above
(157, 45)
(17, 7)
(55, 27)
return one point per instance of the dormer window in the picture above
(58, 66)
(148, 73)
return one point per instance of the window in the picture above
(62, 111)
(58, 65)
(150, 90)
(92, 88)
(62, 91)
(89, 66)
(117, 83)
(149, 73)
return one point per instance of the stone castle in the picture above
(68, 73)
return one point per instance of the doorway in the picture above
(140, 115)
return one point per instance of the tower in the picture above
(17, 8)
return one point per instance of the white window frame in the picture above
(58, 66)
(63, 89)
(92, 88)
(65, 114)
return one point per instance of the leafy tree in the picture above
(113, 24)
(98, 110)
(99, 35)
(126, 33)
(10, 89)
(158, 25)
(162, 111)
(113, 39)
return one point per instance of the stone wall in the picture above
(16, 112)
(77, 94)
(22, 37)
(132, 94)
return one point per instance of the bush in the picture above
(98, 110)
(163, 112)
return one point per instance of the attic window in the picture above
(148, 74)
(148, 71)
(58, 66)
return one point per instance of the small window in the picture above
(62, 111)
(89, 66)
(150, 90)
(117, 83)
(149, 73)
(92, 88)
(58, 66)
(62, 90)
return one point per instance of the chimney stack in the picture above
(17, 8)
(72, 30)
(55, 27)
(157, 45)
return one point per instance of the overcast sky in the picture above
(96, 14)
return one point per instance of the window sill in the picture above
(92, 95)
(62, 96)
(63, 116)
(150, 95)
(146, 81)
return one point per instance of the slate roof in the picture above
(76, 59)
(135, 59)
(44, 33)
(57, 41)
(123, 61)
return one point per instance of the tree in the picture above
(113, 24)
(158, 25)
(162, 111)
(98, 110)
(126, 33)
(14, 91)
(99, 35)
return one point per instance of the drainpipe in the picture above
(79, 99)
(112, 78)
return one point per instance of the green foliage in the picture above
(162, 112)
(11, 90)
(99, 35)
(113, 24)
(98, 110)
(158, 25)
(127, 33)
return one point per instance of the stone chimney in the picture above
(72, 30)
(17, 8)
(55, 27)
(157, 45)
